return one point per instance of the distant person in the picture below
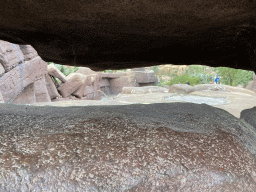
(188, 83)
(217, 80)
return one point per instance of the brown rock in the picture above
(27, 96)
(28, 51)
(2, 71)
(117, 84)
(104, 82)
(73, 83)
(111, 75)
(203, 87)
(1, 98)
(249, 115)
(10, 55)
(143, 90)
(80, 92)
(181, 89)
(145, 77)
(13, 82)
(88, 90)
(250, 85)
(52, 91)
(85, 71)
(41, 91)
(55, 72)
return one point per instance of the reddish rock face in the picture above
(28, 51)
(53, 92)
(27, 96)
(41, 91)
(117, 34)
(13, 82)
(126, 149)
(11, 55)
(55, 72)
(73, 83)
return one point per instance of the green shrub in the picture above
(184, 79)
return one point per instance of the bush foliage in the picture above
(184, 79)
(64, 69)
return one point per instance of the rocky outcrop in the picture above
(20, 72)
(54, 71)
(41, 91)
(181, 89)
(248, 115)
(160, 147)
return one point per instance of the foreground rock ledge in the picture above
(159, 147)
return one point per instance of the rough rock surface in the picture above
(249, 115)
(73, 83)
(27, 96)
(13, 82)
(1, 98)
(55, 72)
(10, 55)
(185, 147)
(28, 51)
(125, 34)
(145, 77)
(142, 90)
(116, 85)
(41, 91)
(52, 90)
(250, 85)
(181, 89)
(2, 71)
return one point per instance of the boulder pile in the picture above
(25, 79)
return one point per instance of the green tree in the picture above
(184, 79)
(234, 77)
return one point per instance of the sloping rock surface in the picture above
(160, 147)
(249, 115)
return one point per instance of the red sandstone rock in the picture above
(55, 72)
(80, 92)
(145, 77)
(250, 85)
(117, 84)
(28, 51)
(27, 96)
(111, 75)
(181, 89)
(10, 55)
(88, 90)
(1, 98)
(53, 92)
(2, 71)
(13, 82)
(41, 91)
(85, 71)
(104, 82)
(73, 83)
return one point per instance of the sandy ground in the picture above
(236, 101)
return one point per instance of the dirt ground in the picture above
(237, 101)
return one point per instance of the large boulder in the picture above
(10, 55)
(55, 72)
(1, 98)
(13, 82)
(41, 91)
(51, 88)
(181, 89)
(160, 147)
(250, 85)
(86, 71)
(249, 115)
(145, 77)
(73, 83)
(2, 71)
(28, 51)
(27, 96)
(117, 84)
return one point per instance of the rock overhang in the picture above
(125, 34)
